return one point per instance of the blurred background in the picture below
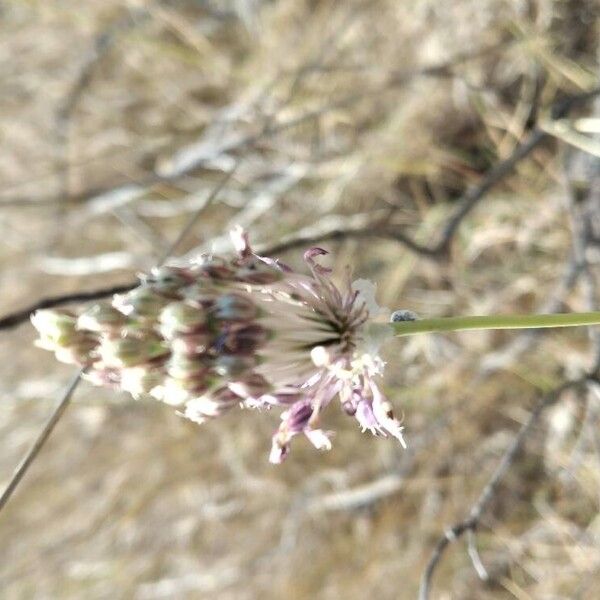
(355, 123)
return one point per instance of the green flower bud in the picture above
(80, 351)
(101, 317)
(131, 351)
(141, 302)
(180, 317)
(56, 327)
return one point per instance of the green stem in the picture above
(495, 322)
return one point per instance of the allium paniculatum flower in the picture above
(239, 331)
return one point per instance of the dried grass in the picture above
(129, 501)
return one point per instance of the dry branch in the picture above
(475, 514)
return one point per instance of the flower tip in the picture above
(278, 453)
(313, 252)
(309, 257)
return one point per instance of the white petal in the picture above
(367, 290)
(319, 438)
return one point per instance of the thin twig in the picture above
(23, 315)
(338, 234)
(192, 221)
(473, 520)
(474, 196)
(40, 440)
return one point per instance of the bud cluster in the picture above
(231, 331)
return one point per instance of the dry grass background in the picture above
(118, 117)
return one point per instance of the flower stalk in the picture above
(470, 323)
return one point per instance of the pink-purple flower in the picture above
(236, 331)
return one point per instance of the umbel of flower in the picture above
(235, 331)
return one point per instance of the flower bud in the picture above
(246, 340)
(200, 293)
(252, 386)
(232, 365)
(207, 407)
(215, 267)
(80, 351)
(191, 343)
(167, 279)
(131, 351)
(258, 273)
(104, 376)
(180, 317)
(171, 392)
(141, 302)
(234, 307)
(140, 380)
(182, 366)
(101, 317)
(56, 327)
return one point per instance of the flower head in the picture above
(238, 331)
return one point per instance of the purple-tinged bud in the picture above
(234, 307)
(232, 365)
(245, 340)
(215, 267)
(131, 351)
(297, 419)
(141, 302)
(101, 317)
(80, 351)
(180, 317)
